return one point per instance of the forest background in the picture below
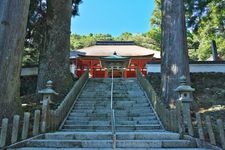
(205, 20)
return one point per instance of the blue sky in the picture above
(113, 17)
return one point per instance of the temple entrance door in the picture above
(117, 73)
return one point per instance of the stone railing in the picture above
(41, 121)
(207, 133)
(167, 116)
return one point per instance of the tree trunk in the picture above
(54, 56)
(174, 53)
(13, 21)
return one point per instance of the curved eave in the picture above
(149, 55)
(121, 50)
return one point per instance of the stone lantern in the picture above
(48, 92)
(185, 96)
(184, 91)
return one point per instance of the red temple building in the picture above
(117, 58)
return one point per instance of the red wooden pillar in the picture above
(106, 73)
(125, 73)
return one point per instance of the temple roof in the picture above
(122, 48)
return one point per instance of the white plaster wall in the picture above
(155, 68)
(34, 70)
(29, 71)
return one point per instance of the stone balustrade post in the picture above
(185, 96)
(36, 122)
(45, 107)
(47, 93)
(3, 134)
(220, 126)
(26, 122)
(15, 128)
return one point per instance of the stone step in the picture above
(88, 127)
(117, 110)
(78, 110)
(92, 107)
(135, 109)
(84, 105)
(79, 135)
(90, 114)
(94, 96)
(117, 114)
(92, 102)
(101, 123)
(54, 143)
(80, 99)
(126, 118)
(128, 96)
(147, 136)
(133, 114)
(139, 99)
(115, 99)
(70, 143)
(108, 136)
(44, 148)
(155, 144)
(102, 118)
(115, 103)
(86, 130)
(119, 106)
(127, 128)
(99, 114)
(118, 127)
(107, 123)
(143, 122)
(143, 109)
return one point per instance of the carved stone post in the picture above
(48, 92)
(15, 128)
(3, 135)
(185, 97)
(47, 98)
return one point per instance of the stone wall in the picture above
(210, 88)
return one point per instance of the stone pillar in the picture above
(185, 97)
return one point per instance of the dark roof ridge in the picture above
(115, 43)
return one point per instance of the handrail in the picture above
(57, 116)
(113, 116)
(159, 108)
(112, 91)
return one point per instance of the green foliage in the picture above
(145, 40)
(210, 26)
(36, 28)
(205, 22)
(30, 57)
(81, 41)
(155, 35)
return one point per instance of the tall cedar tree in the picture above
(13, 21)
(54, 54)
(174, 63)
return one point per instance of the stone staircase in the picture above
(88, 125)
